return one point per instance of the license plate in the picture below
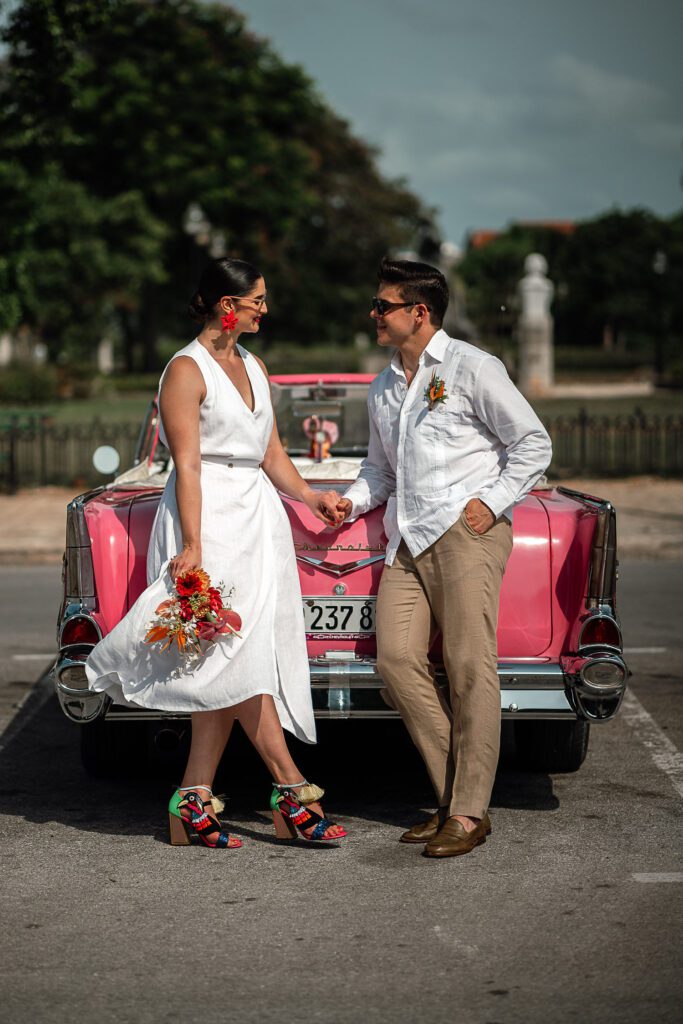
(345, 616)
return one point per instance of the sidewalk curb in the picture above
(32, 556)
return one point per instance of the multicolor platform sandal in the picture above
(188, 816)
(291, 807)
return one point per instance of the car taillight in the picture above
(79, 630)
(599, 631)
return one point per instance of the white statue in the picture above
(535, 290)
(535, 332)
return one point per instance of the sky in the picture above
(501, 110)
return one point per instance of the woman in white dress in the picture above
(220, 511)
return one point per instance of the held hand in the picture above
(189, 558)
(479, 516)
(344, 508)
(323, 505)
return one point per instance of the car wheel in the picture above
(552, 746)
(112, 750)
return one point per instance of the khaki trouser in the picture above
(453, 586)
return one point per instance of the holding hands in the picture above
(324, 505)
(344, 509)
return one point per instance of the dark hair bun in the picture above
(222, 276)
(198, 309)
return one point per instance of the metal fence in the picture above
(34, 451)
(617, 445)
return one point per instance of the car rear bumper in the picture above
(354, 689)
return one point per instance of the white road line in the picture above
(663, 752)
(645, 650)
(659, 876)
(34, 657)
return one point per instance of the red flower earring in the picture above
(229, 321)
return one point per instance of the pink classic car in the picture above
(559, 641)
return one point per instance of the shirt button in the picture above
(230, 465)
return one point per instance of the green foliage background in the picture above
(618, 276)
(115, 116)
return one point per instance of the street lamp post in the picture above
(659, 266)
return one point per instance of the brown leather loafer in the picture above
(425, 830)
(453, 840)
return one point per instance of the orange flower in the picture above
(195, 581)
(435, 391)
(156, 633)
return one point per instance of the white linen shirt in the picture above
(485, 441)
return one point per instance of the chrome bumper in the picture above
(354, 689)
(71, 687)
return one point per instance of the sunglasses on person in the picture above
(258, 303)
(381, 307)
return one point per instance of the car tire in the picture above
(112, 750)
(552, 746)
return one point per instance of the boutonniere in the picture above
(435, 392)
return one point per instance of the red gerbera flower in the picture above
(195, 581)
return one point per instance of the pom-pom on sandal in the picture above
(291, 807)
(188, 816)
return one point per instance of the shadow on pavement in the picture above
(370, 770)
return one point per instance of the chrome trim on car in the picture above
(338, 570)
(71, 612)
(521, 703)
(602, 575)
(78, 577)
(82, 706)
(64, 665)
(602, 612)
(77, 702)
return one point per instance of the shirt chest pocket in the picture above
(445, 420)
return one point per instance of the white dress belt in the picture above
(231, 462)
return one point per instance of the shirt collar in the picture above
(433, 352)
(436, 349)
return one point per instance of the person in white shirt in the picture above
(453, 447)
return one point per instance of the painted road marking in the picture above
(663, 752)
(645, 650)
(659, 876)
(34, 657)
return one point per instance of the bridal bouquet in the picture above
(197, 612)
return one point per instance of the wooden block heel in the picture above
(177, 831)
(284, 829)
(188, 816)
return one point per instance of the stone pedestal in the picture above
(536, 374)
(536, 364)
(6, 350)
(105, 356)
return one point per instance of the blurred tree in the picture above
(492, 271)
(72, 259)
(612, 288)
(618, 277)
(117, 115)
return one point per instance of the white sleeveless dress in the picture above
(247, 544)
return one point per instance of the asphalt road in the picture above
(569, 913)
